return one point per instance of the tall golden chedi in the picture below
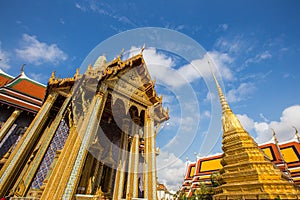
(247, 172)
(93, 138)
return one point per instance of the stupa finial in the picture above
(223, 101)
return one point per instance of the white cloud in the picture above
(61, 20)
(283, 127)
(206, 114)
(240, 93)
(170, 170)
(103, 8)
(37, 52)
(258, 58)
(162, 67)
(246, 121)
(234, 45)
(263, 117)
(200, 68)
(264, 55)
(4, 59)
(222, 60)
(38, 77)
(210, 96)
(223, 27)
(81, 7)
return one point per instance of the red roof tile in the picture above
(21, 92)
(27, 86)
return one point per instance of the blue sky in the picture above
(255, 45)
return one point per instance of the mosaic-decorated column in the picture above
(120, 176)
(9, 122)
(43, 146)
(18, 156)
(133, 168)
(77, 152)
(150, 158)
(57, 154)
(92, 122)
(59, 169)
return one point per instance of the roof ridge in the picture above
(34, 81)
(5, 74)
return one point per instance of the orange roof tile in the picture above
(4, 78)
(21, 92)
(27, 86)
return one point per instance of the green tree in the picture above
(204, 192)
(216, 179)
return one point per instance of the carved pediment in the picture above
(130, 84)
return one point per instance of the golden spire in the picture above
(245, 170)
(223, 101)
(229, 120)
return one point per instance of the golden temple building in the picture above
(201, 170)
(247, 170)
(90, 136)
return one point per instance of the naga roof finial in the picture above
(274, 136)
(296, 134)
(22, 68)
(120, 55)
(143, 48)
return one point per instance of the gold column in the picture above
(15, 161)
(86, 174)
(120, 176)
(98, 178)
(111, 174)
(150, 158)
(97, 173)
(64, 182)
(9, 122)
(43, 146)
(133, 168)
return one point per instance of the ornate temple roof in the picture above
(132, 71)
(21, 92)
(27, 86)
